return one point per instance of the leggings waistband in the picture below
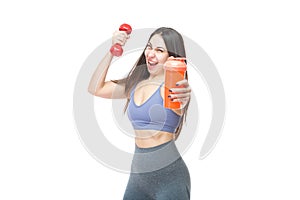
(151, 149)
(154, 158)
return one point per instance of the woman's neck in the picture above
(159, 77)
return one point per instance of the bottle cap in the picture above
(175, 63)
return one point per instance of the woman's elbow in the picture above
(97, 93)
(91, 91)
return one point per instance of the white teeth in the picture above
(152, 63)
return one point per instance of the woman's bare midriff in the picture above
(152, 138)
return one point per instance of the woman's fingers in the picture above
(181, 93)
(182, 83)
(180, 90)
(182, 100)
(181, 87)
(120, 37)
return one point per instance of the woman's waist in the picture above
(152, 138)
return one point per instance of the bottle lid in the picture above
(175, 63)
(182, 59)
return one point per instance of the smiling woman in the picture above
(158, 171)
(156, 55)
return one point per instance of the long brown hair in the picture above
(175, 47)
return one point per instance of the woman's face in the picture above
(156, 55)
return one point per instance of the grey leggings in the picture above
(158, 173)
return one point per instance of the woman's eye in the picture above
(148, 47)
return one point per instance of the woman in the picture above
(158, 171)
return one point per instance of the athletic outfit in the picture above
(157, 173)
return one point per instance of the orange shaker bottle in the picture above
(175, 69)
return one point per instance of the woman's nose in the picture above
(151, 53)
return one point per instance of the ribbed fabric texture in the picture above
(170, 182)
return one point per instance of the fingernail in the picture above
(169, 96)
(170, 90)
(177, 84)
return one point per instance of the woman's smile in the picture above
(152, 65)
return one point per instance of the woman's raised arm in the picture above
(108, 89)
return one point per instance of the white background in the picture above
(254, 45)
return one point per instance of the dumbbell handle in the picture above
(117, 49)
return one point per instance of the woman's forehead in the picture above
(157, 41)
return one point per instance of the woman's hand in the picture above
(120, 37)
(182, 93)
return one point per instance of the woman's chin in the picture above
(152, 68)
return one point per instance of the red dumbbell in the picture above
(117, 49)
